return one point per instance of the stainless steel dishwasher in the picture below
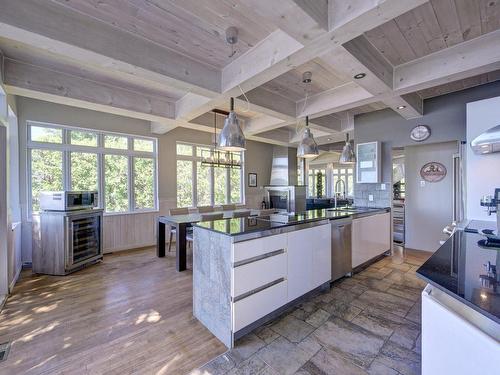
(341, 248)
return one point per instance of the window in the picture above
(116, 186)
(317, 179)
(46, 173)
(347, 185)
(84, 171)
(201, 185)
(83, 138)
(122, 168)
(45, 134)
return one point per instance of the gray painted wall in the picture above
(429, 207)
(445, 115)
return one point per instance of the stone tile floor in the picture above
(367, 324)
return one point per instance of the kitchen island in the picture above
(461, 307)
(246, 271)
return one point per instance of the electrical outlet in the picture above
(370, 197)
(422, 183)
(382, 186)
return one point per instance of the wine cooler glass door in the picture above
(85, 238)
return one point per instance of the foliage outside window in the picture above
(201, 185)
(122, 168)
(316, 178)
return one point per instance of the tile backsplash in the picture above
(381, 197)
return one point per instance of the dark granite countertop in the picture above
(467, 271)
(247, 225)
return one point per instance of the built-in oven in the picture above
(68, 200)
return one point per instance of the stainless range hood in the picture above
(488, 142)
(284, 167)
(283, 192)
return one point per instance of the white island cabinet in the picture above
(272, 271)
(371, 237)
(240, 284)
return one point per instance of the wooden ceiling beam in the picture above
(360, 56)
(29, 80)
(57, 29)
(340, 98)
(473, 57)
(317, 10)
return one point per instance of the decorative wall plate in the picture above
(420, 133)
(433, 171)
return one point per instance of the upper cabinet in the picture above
(368, 165)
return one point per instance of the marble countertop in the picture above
(468, 271)
(258, 224)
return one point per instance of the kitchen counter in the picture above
(468, 272)
(248, 270)
(243, 229)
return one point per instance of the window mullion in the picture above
(194, 191)
(130, 180)
(212, 186)
(66, 162)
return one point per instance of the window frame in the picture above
(66, 147)
(194, 159)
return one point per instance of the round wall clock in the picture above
(420, 133)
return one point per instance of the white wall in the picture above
(429, 208)
(131, 230)
(3, 196)
(483, 171)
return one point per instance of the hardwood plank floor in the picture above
(130, 314)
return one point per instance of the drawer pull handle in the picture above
(257, 290)
(258, 257)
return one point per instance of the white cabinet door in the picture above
(254, 275)
(254, 307)
(299, 263)
(371, 237)
(455, 338)
(322, 256)
(309, 260)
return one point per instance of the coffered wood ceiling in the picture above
(167, 61)
(192, 27)
(434, 26)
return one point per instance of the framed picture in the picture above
(252, 179)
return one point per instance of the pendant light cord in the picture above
(248, 101)
(297, 127)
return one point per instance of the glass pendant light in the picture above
(231, 137)
(347, 156)
(307, 146)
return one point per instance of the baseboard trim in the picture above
(128, 247)
(14, 280)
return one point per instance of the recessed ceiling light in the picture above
(360, 75)
(401, 107)
(328, 139)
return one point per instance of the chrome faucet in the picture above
(336, 189)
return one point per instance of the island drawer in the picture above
(253, 248)
(253, 275)
(258, 305)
